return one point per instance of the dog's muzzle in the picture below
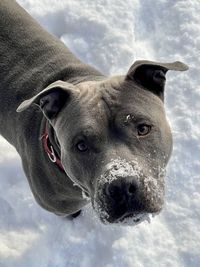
(124, 192)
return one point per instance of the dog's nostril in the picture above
(131, 189)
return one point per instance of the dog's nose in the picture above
(122, 190)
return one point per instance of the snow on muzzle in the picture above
(127, 194)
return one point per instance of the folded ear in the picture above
(151, 75)
(51, 100)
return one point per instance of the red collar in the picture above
(48, 148)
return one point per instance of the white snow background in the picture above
(111, 35)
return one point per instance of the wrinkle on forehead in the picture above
(100, 102)
(90, 96)
(122, 96)
(98, 98)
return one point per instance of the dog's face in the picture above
(114, 138)
(115, 142)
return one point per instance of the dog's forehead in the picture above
(99, 103)
(117, 95)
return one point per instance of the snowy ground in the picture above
(111, 35)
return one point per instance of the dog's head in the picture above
(114, 138)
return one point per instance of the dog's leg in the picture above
(76, 214)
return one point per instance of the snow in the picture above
(111, 35)
(119, 167)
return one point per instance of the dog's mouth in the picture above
(117, 216)
(119, 207)
(135, 218)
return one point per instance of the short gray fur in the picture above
(37, 68)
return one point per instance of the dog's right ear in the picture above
(51, 100)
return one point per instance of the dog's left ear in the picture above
(50, 100)
(151, 75)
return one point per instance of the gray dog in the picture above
(82, 136)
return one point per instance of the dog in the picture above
(82, 136)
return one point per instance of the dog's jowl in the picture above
(82, 136)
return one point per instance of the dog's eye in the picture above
(82, 146)
(143, 129)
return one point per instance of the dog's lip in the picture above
(135, 216)
(131, 218)
(82, 187)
